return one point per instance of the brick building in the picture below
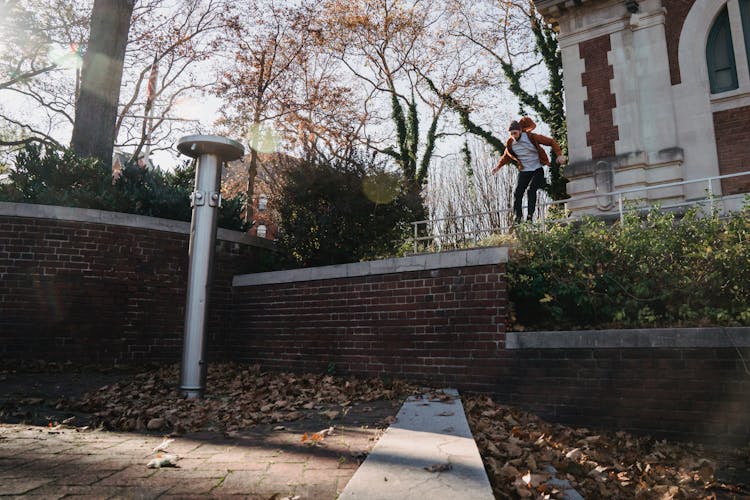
(656, 91)
(264, 215)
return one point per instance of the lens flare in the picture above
(66, 57)
(263, 139)
(380, 188)
(187, 108)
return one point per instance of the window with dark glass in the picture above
(745, 14)
(722, 71)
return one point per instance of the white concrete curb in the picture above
(407, 463)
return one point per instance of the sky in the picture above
(201, 112)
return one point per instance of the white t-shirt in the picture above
(526, 153)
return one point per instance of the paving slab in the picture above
(428, 452)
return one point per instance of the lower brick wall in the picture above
(442, 326)
(688, 393)
(102, 293)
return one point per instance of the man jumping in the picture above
(525, 149)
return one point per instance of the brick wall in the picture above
(732, 130)
(102, 292)
(677, 11)
(600, 100)
(698, 393)
(444, 326)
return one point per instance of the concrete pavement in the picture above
(428, 451)
(39, 462)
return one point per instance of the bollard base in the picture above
(191, 392)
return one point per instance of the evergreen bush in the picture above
(58, 177)
(342, 211)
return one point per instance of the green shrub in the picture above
(341, 211)
(657, 270)
(55, 177)
(58, 177)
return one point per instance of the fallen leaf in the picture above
(155, 424)
(706, 473)
(326, 432)
(163, 446)
(162, 461)
(513, 449)
(526, 478)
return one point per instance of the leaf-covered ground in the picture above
(519, 449)
(237, 397)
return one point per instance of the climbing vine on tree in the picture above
(553, 112)
(550, 107)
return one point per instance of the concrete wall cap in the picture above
(653, 338)
(425, 262)
(88, 215)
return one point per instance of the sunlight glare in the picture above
(66, 57)
(380, 188)
(187, 108)
(266, 138)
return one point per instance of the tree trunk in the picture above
(252, 172)
(252, 169)
(96, 106)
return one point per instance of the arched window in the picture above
(722, 71)
(262, 231)
(745, 15)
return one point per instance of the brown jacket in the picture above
(538, 140)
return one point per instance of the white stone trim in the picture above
(575, 95)
(730, 100)
(586, 34)
(625, 86)
(425, 262)
(52, 212)
(644, 113)
(692, 97)
(642, 20)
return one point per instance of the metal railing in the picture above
(476, 231)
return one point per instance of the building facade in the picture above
(657, 91)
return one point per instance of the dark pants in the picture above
(536, 180)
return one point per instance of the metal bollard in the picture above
(205, 200)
